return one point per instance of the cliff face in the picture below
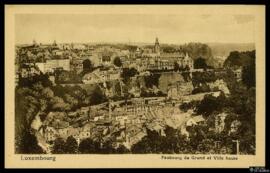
(169, 78)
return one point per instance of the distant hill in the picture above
(224, 49)
(237, 59)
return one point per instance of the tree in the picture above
(209, 104)
(73, 102)
(62, 77)
(249, 75)
(28, 144)
(238, 59)
(59, 146)
(197, 50)
(88, 146)
(87, 66)
(97, 96)
(78, 92)
(118, 89)
(200, 63)
(170, 143)
(47, 93)
(176, 66)
(169, 49)
(71, 146)
(173, 142)
(121, 149)
(205, 146)
(107, 148)
(152, 80)
(29, 82)
(127, 73)
(201, 89)
(142, 147)
(196, 135)
(58, 104)
(190, 105)
(117, 61)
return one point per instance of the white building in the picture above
(52, 64)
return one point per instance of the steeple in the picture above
(157, 47)
(34, 43)
(157, 41)
(54, 43)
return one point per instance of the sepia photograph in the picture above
(127, 81)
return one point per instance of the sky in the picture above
(169, 28)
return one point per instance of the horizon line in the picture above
(129, 43)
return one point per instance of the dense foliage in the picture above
(127, 73)
(237, 59)
(200, 63)
(40, 97)
(117, 61)
(152, 80)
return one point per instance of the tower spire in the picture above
(157, 40)
(157, 47)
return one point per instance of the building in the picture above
(52, 64)
(105, 60)
(92, 78)
(157, 60)
(50, 134)
(186, 61)
(41, 66)
(77, 65)
(78, 46)
(58, 53)
(157, 47)
(100, 76)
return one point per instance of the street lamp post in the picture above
(237, 146)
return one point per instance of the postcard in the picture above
(134, 86)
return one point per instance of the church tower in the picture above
(34, 43)
(54, 43)
(157, 47)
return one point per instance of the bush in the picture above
(209, 104)
(190, 105)
(201, 89)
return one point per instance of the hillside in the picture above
(224, 49)
(240, 58)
